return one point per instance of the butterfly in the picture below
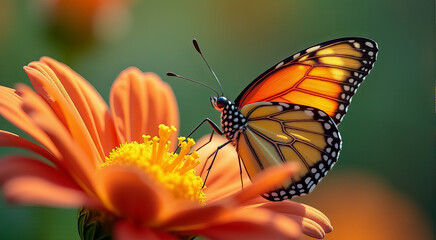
(291, 111)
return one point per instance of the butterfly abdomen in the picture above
(232, 121)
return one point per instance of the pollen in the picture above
(173, 171)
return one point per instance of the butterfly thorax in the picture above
(232, 120)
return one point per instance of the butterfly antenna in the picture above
(170, 74)
(194, 41)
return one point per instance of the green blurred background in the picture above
(389, 129)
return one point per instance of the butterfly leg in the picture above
(207, 160)
(212, 124)
(240, 171)
(210, 140)
(213, 160)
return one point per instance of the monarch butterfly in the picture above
(291, 111)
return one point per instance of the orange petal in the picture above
(309, 227)
(16, 166)
(8, 139)
(297, 209)
(195, 215)
(266, 181)
(79, 165)
(140, 102)
(48, 86)
(35, 190)
(253, 224)
(27, 180)
(130, 193)
(10, 109)
(128, 231)
(89, 104)
(263, 182)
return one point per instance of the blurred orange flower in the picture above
(77, 23)
(362, 207)
(134, 186)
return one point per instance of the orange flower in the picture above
(133, 185)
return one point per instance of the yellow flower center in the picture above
(173, 171)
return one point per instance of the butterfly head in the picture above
(219, 103)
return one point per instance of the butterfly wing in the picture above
(282, 132)
(324, 76)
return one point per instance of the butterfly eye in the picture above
(221, 102)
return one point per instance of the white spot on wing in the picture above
(307, 180)
(284, 105)
(311, 188)
(312, 49)
(308, 113)
(369, 44)
(279, 65)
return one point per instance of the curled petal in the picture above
(252, 224)
(128, 231)
(309, 227)
(140, 102)
(313, 220)
(130, 193)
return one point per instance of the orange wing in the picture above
(325, 76)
